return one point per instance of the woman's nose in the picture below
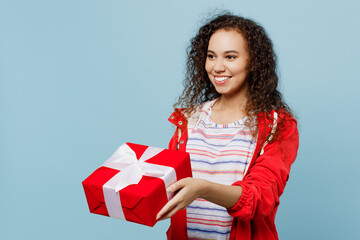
(219, 66)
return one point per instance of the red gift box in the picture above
(132, 183)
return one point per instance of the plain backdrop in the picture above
(79, 78)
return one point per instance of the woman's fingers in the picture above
(181, 199)
(176, 186)
(169, 205)
(170, 214)
(165, 209)
(174, 202)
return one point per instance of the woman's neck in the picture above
(235, 103)
(228, 109)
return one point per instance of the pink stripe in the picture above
(244, 133)
(205, 155)
(210, 220)
(201, 200)
(216, 172)
(218, 155)
(193, 150)
(204, 112)
(244, 153)
(221, 136)
(211, 224)
(235, 151)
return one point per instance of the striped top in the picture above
(221, 154)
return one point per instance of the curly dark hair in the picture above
(262, 93)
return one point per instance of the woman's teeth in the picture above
(221, 79)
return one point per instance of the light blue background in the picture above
(79, 78)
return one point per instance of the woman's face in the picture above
(227, 62)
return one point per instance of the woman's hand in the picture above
(191, 188)
(188, 190)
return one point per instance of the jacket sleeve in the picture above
(266, 179)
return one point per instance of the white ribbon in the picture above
(131, 172)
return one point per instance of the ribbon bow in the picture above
(131, 172)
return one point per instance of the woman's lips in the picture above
(221, 80)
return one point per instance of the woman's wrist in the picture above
(204, 188)
(220, 194)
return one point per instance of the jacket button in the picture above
(172, 117)
(270, 126)
(181, 142)
(180, 122)
(270, 137)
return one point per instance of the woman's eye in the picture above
(210, 56)
(230, 57)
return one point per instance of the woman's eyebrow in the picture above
(231, 51)
(226, 52)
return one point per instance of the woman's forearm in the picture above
(188, 189)
(220, 194)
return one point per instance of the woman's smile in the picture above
(220, 80)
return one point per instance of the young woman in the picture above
(240, 134)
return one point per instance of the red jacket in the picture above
(262, 184)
